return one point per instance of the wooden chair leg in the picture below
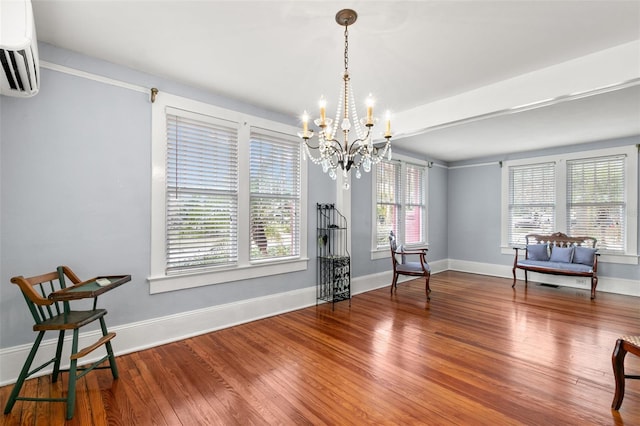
(394, 282)
(112, 358)
(427, 288)
(73, 376)
(56, 365)
(24, 373)
(617, 359)
(514, 277)
(526, 278)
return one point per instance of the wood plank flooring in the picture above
(479, 353)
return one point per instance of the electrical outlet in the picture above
(581, 281)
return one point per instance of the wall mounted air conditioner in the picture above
(19, 73)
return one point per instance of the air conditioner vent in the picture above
(19, 71)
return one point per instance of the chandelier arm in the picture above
(331, 151)
(314, 160)
(311, 146)
(381, 144)
(327, 155)
(355, 142)
(329, 143)
(333, 144)
(361, 158)
(334, 165)
(375, 156)
(379, 157)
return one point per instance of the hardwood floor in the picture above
(478, 353)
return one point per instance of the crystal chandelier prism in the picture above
(346, 142)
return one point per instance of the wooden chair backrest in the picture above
(558, 239)
(36, 291)
(393, 245)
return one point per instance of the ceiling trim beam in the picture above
(600, 72)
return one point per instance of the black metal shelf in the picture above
(334, 262)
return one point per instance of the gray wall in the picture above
(75, 165)
(475, 208)
(438, 219)
(361, 199)
(474, 213)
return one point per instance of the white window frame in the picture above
(383, 252)
(630, 255)
(245, 269)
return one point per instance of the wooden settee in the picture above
(558, 254)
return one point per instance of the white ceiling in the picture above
(282, 55)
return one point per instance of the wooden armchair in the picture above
(623, 345)
(50, 315)
(418, 268)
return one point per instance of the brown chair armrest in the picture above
(421, 251)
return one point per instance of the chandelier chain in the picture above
(346, 48)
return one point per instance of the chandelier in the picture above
(335, 147)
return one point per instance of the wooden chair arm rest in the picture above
(421, 251)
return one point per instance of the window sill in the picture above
(165, 283)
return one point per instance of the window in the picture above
(226, 198)
(591, 193)
(387, 201)
(275, 196)
(415, 208)
(201, 192)
(596, 200)
(532, 200)
(400, 206)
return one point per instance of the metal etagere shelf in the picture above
(334, 262)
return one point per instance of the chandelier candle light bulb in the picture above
(305, 126)
(357, 148)
(387, 132)
(370, 103)
(323, 111)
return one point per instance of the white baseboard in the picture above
(158, 331)
(605, 284)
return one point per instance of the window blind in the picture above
(274, 195)
(387, 201)
(596, 200)
(201, 192)
(532, 192)
(414, 211)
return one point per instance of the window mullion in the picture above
(401, 200)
